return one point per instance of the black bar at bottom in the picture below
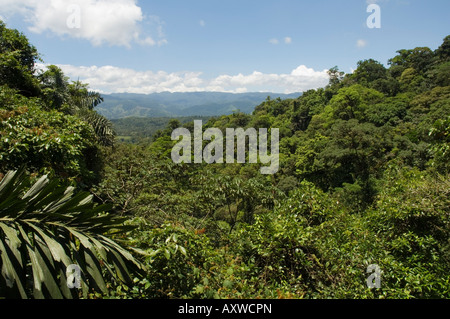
(222, 308)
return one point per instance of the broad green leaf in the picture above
(83, 238)
(58, 252)
(73, 203)
(119, 266)
(94, 270)
(38, 274)
(167, 253)
(36, 188)
(48, 274)
(183, 250)
(9, 269)
(11, 233)
(65, 197)
(8, 182)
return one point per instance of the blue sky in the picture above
(278, 46)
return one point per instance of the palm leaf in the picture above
(44, 228)
(102, 127)
(82, 104)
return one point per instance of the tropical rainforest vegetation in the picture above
(363, 179)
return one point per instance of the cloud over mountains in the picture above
(111, 79)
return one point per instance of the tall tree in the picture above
(443, 52)
(54, 87)
(17, 62)
(82, 103)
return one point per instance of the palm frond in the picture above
(46, 227)
(103, 128)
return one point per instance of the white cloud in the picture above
(202, 23)
(112, 22)
(286, 40)
(110, 79)
(361, 43)
(273, 41)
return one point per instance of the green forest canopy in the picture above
(364, 179)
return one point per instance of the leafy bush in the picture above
(45, 141)
(175, 259)
(412, 217)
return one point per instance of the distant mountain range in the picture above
(123, 105)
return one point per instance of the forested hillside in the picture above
(363, 180)
(166, 104)
(140, 129)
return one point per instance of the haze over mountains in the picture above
(123, 105)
